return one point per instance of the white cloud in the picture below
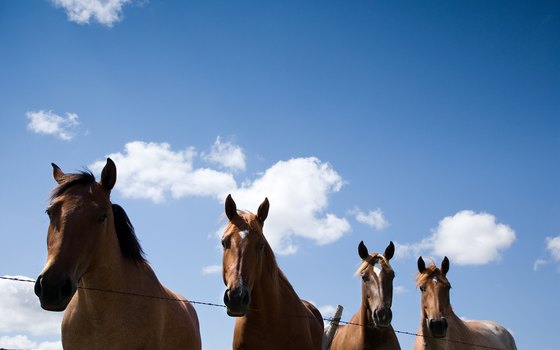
(106, 12)
(538, 263)
(49, 123)
(23, 342)
(211, 269)
(226, 155)
(298, 191)
(153, 171)
(400, 290)
(327, 310)
(18, 300)
(466, 238)
(373, 218)
(553, 247)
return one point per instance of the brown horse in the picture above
(440, 328)
(270, 315)
(370, 328)
(97, 272)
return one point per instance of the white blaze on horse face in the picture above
(434, 280)
(377, 269)
(243, 233)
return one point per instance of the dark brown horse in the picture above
(370, 328)
(441, 328)
(96, 271)
(270, 315)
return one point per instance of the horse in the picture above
(269, 313)
(97, 274)
(370, 328)
(441, 328)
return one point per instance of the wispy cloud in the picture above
(467, 238)
(106, 12)
(538, 264)
(211, 269)
(18, 300)
(373, 218)
(553, 247)
(226, 154)
(49, 123)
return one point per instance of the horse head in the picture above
(377, 284)
(79, 212)
(244, 247)
(435, 287)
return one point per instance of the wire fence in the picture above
(194, 302)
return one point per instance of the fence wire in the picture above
(194, 302)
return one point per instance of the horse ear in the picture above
(231, 208)
(109, 175)
(362, 250)
(389, 251)
(445, 266)
(57, 174)
(421, 265)
(262, 212)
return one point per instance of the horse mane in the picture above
(430, 272)
(371, 261)
(128, 242)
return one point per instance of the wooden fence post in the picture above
(330, 330)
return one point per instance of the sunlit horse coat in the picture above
(440, 328)
(96, 271)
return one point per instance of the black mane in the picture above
(130, 246)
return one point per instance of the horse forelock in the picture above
(431, 272)
(71, 180)
(373, 259)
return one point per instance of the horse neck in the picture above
(111, 271)
(272, 292)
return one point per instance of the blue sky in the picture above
(432, 124)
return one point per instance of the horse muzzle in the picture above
(382, 317)
(438, 327)
(54, 293)
(237, 301)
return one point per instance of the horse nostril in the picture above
(226, 297)
(38, 287)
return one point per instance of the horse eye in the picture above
(261, 246)
(422, 288)
(225, 243)
(365, 277)
(48, 212)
